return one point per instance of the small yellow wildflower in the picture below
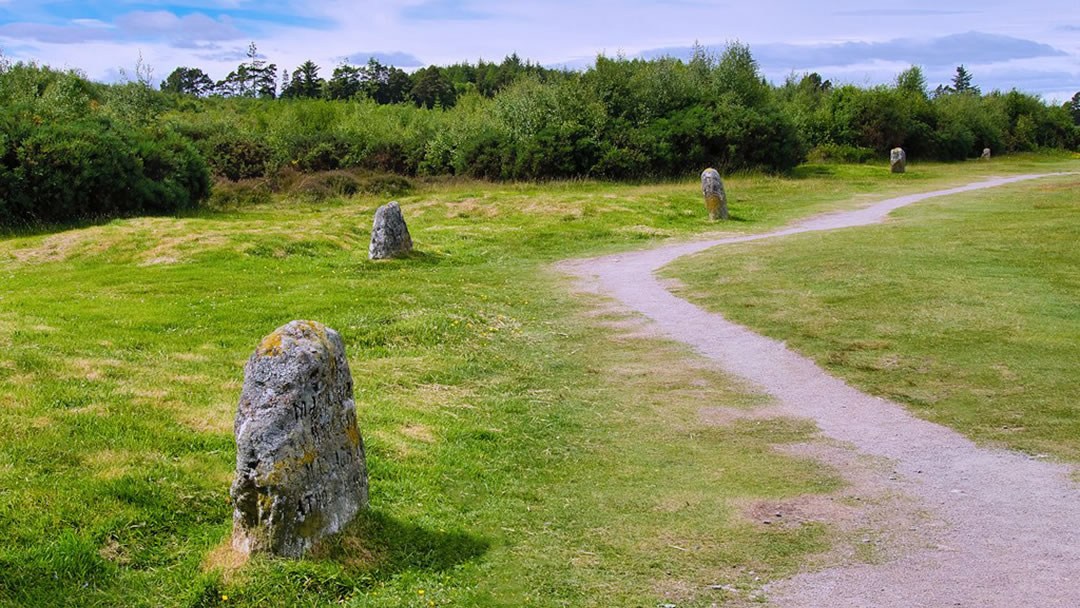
(421, 592)
(224, 598)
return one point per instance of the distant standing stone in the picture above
(986, 154)
(715, 197)
(898, 160)
(389, 234)
(300, 467)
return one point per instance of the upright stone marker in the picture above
(300, 467)
(898, 160)
(389, 234)
(715, 197)
(986, 154)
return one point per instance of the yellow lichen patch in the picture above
(270, 345)
(311, 525)
(353, 435)
(226, 559)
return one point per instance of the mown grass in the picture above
(520, 452)
(964, 308)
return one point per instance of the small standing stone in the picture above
(389, 234)
(898, 160)
(715, 197)
(300, 468)
(986, 154)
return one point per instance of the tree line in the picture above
(427, 87)
(71, 148)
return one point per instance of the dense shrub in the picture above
(61, 172)
(65, 154)
(237, 156)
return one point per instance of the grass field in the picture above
(522, 451)
(965, 308)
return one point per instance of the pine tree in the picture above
(1074, 108)
(961, 82)
(306, 82)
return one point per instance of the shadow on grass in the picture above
(378, 544)
(734, 218)
(374, 548)
(413, 258)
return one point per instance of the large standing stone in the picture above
(898, 160)
(715, 197)
(389, 234)
(986, 154)
(300, 468)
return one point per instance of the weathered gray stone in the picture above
(300, 467)
(898, 160)
(389, 234)
(986, 154)
(715, 197)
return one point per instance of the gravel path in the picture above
(1011, 524)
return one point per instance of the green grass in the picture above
(964, 308)
(521, 452)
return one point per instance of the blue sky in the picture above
(1034, 46)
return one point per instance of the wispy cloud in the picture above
(133, 26)
(971, 47)
(397, 58)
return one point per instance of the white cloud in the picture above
(553, 31)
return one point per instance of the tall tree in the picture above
(305, 82)
(1074, 108)
(345, 83)
(256, 78)
(188, 81)
(912, 80)
(961, 82)
(433, 88)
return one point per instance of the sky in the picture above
(1033, 46)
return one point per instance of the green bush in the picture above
(61, 172)
(236, 156)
